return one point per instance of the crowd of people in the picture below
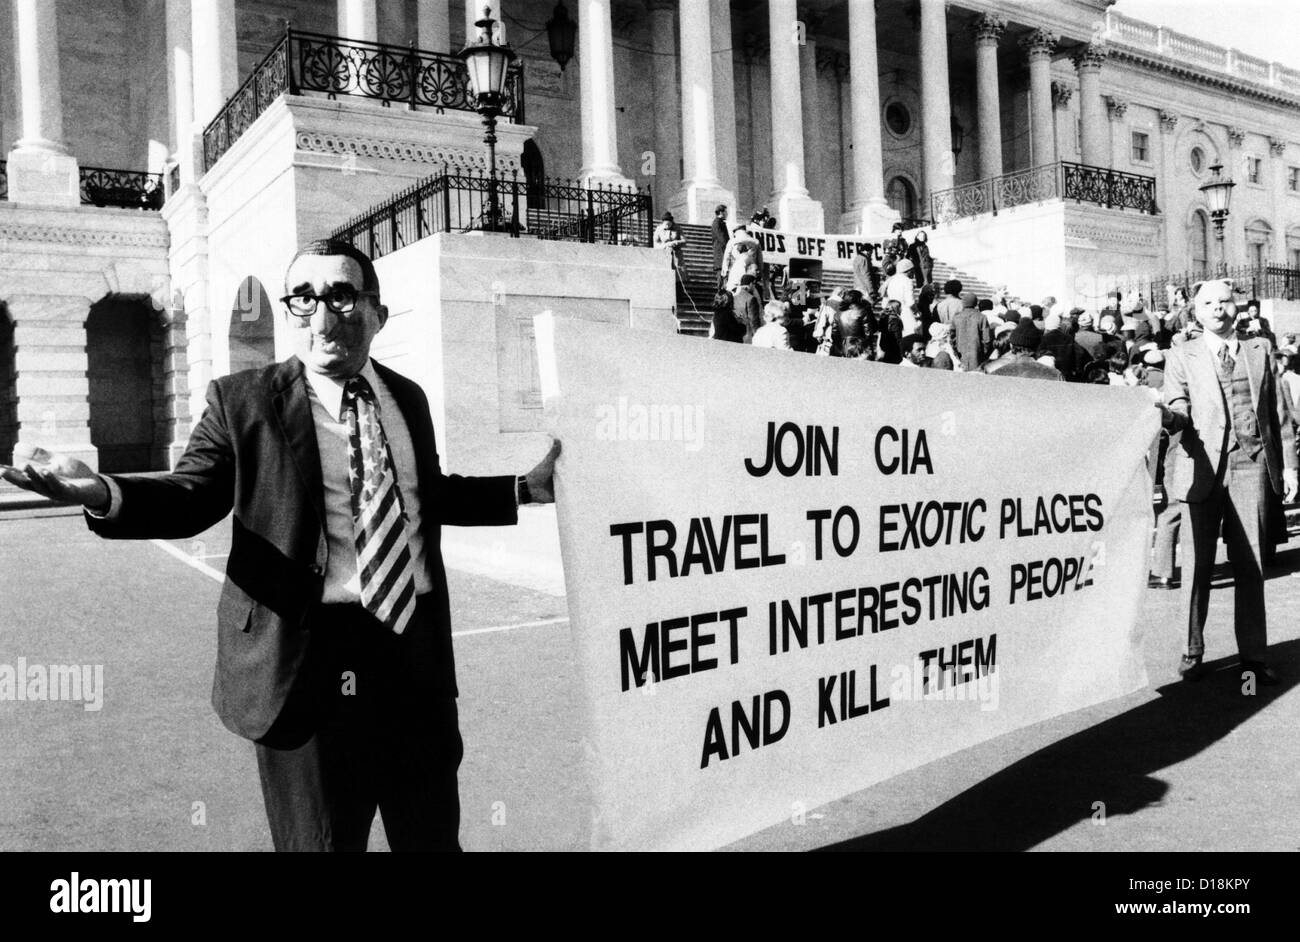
(896, 314)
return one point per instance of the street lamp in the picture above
(488, 64)
(561, 33)
(1218, 197)
(958, 136)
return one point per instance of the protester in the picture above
(725, 326)
(744, 256)
(918, 253)
(939, 350)
(914, 351)
(900, 288)
(891, 333)
(773, 333)
(1057, 343)
(1024, 340)
(972, 336)
(924, 308)
(1091, 342)
(746, 307)
(669, 237)
(721, 236)
(950, 304)
(827, 329)
(1001, 343)
(864, 276)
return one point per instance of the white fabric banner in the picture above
(791, 577)
(835, 252)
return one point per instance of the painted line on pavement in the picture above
(198, 564)
(496, 628)
(189, 560)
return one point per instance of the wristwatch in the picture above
(522, 493)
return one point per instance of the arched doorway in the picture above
(252, 327)
(1198, 244)
(8, 388)
(124, 343)
(534, 175)
(901, 196)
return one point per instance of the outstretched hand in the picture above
(57, 477)
(541, 480)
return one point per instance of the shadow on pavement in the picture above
(1113, 762)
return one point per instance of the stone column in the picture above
(40, 169)
(1062, 92)
(1277, 155)
(51, 363)
(814, 117)
(1038, 46)
(358, 19)
(936, 109)
(988, 30)
(216, 57)
(1092, 109)
(433, 25)
(596, 91)
(180, 87)
(724, 101)
(1116, 108)
(667, 104)
(701, 191)
(868, 213)
(789, 200)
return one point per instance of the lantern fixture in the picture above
(1218, 198)
(562, 34)
(488, 64)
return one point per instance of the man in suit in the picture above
(334, 650)
(721, 236)
(1235, 445)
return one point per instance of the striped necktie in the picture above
(384, 560)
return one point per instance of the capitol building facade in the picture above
(162, 160)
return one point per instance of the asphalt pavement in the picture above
(1176, 766)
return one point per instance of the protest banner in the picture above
(835, 252)
(792, 577)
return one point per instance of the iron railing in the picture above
(4, 180)
(1113, 188)
(461, 202)
(1278, 282)
(127, 189)
(303, 62)
(1060, 180)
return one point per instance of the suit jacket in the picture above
(254, 452)
(1194, 396)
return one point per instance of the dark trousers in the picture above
(1237, 504)
(361, 732)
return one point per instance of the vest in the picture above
(1241, 413)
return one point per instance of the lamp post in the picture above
(1218, 197)
(488, 64)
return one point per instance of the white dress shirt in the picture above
(342, 581)
(1215, 343)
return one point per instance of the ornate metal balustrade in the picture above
(127, 189)
(1112, 188)
(1061, 180)
(1250, 281)
(304, 62)
(462, 202)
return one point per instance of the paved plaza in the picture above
(1175, 766)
